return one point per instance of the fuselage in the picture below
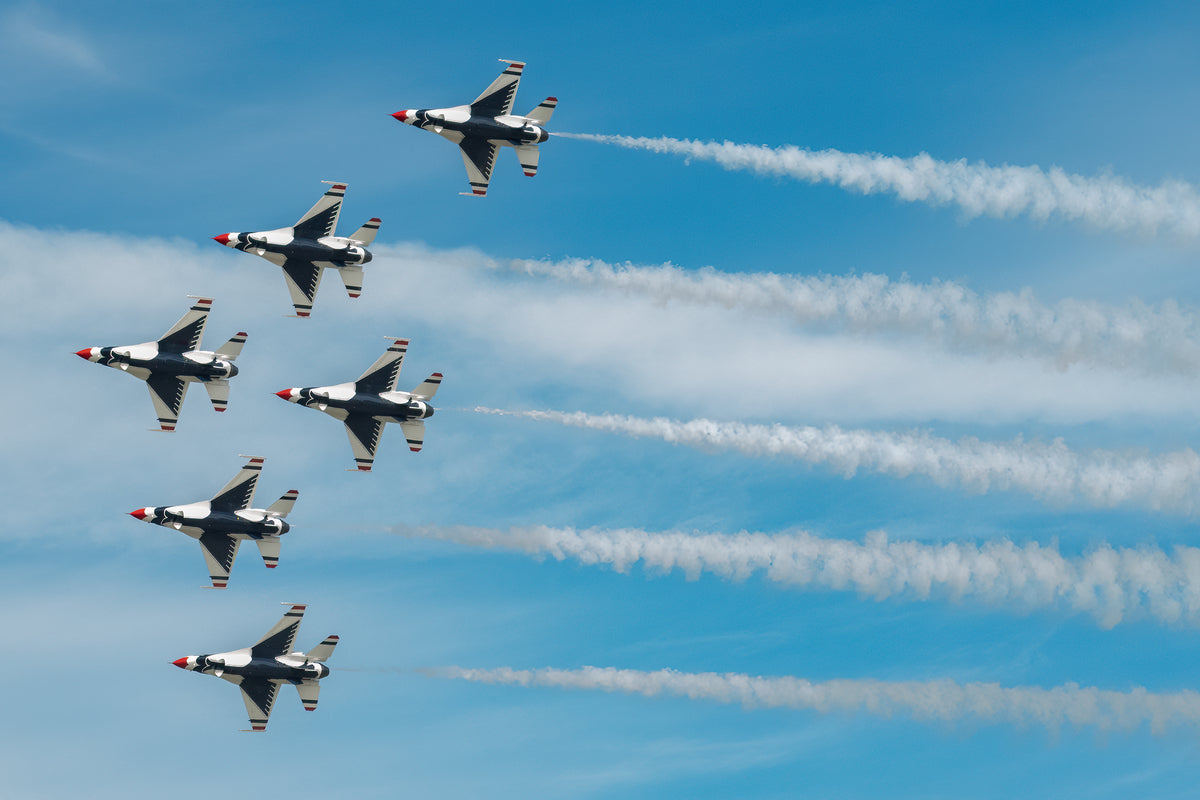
(460, 123)
(197, 519)
(342, 401)
(282, 244)
(146, 358)
(292, 668)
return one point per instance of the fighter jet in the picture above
(488, 122)
(170, 364)
(308, 247)
(372, 400)
(260, 670)
(224, 522)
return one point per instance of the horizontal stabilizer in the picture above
(269, 548)
(324, 650)
(233, 348)
(428, 387)
(528, 156)
(414, 432)
(218, 392)
(283, 506)
(541, 114)
(366, 234)
(352, 276)
(308, 691)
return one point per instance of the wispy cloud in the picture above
(1111, 584)
(1049, 471)
(39, 38)
(1108, 202)
(941, 700)
(1138, 337)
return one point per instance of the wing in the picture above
(479, 155)
(302, 279)
(321, 219)
(383, 374)
(259, 696)
(279, 640)
(166, 392)
(497, 99)
(239, 492)
(219, 552)
(185, 335)
(364, 439)
(414, 432)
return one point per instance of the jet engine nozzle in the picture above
(543, 135)
(225, 369)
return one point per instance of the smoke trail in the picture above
(1112, 584)
(943, 700)
(1148, 339)
(1005, 191)
(1052, 472)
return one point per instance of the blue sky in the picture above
(132, 134)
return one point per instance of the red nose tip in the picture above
(401, 115)
(180, 662)
(222, 239)
(84, 353)
(286, 394)
(140, 513)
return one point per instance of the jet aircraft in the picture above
(308, 247)
(170, 364)
(261, 669)
(372, 400)
(224, 522)
(487, 123)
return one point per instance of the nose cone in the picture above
(85, 353)
(142, 513)
(180, 662)
(287, 394)
(223, 238)
(401, 116)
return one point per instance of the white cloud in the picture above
(941, 700)
(1106, 202)
(1112, 584)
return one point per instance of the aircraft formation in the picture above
(304, 251)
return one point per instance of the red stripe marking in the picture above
(374, 219)
(364, 469)
(204, 302)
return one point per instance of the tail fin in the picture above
(541, 114)
(283, 506)
(268, 548)
(366, 234)
(428, 387)
(324, 650)
(233, 348)
(352, 276)
(527, 154)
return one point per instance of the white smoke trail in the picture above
(1112, 584)
(941, 700)
(1106, 202)
(1053, 472)
(1142, 337)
